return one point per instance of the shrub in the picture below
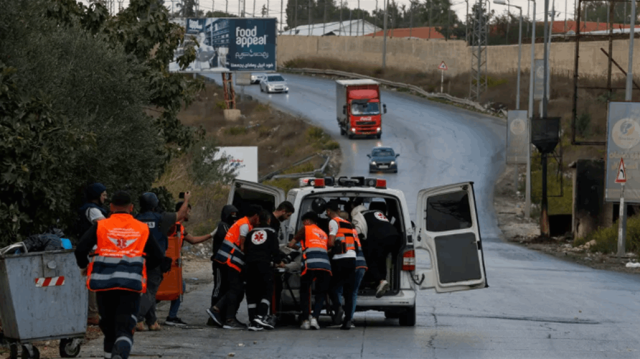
(221, 105)
(315, 133)
(331, 145)
(235, 131)
(607, 238)
(582, 124)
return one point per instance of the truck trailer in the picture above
(358, 108)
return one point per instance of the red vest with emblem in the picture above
(229, 252)
(118, 263)
(314, 250)
(171, 285)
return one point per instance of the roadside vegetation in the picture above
(606, 239)
(282, 140)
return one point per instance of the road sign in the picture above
(443, 66)
(622, 173)
(623, 142)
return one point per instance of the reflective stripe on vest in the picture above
(229, 252)
(314, 250)
(346, 230)
(119, 262)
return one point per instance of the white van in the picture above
(447, 229)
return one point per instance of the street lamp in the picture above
(502, 2)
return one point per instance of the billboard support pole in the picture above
(622, 224)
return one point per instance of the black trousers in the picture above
(259, 278)
(323, 281)
(229, 303)
(147, 310)
(343, 276)
(376, 251)
(220, 285)
(118, 309)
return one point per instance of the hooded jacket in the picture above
(226, 221)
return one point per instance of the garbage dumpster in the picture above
(42, 297)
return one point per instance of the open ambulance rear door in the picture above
(449, 232)
(245, 193)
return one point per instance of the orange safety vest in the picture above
(171, 285)
(229, 252)
(119, 262)
(345, 233)
(314, 249)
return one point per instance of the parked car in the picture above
(383, 159)
(273, 83)
(256, 77)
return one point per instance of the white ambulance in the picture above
(446, 229)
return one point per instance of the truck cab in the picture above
(358, 108)
(445, 234)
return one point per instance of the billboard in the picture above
(517, 137)
(244, 160)
(230, 45)
(623, 142)
(538, 90)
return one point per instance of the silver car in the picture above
(274, 83)
(256, 77)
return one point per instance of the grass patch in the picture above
(285, 184)
(607, 238)
(557, 205)
(301, 168)
(235, 131)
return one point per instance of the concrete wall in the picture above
(422, 55)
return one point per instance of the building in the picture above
(426, 32)
(559, 27)
(344, 28)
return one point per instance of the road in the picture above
(536, 306)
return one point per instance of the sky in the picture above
(459, 6)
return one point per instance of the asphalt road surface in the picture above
(536, 306)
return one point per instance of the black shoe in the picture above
(215, 316)
(175, 322)
(234, 324)
(272, 320)
(255, 326)
(263, 322)
(346, 325)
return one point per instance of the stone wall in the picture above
(422, 55)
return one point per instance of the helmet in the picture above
(319, 205)
(149, 201)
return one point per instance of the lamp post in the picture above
(532, 79)
(502, 2)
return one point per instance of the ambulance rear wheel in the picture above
(408, 318)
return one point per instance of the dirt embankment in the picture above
(516, 228)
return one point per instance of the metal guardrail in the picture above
(275, 174)
(414, 88)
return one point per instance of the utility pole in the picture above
(226, 9)
(324, 23)
(375, 19)
(410, 19)
(429, 19)
(340, 31)
(384, 33)
(466, 34)
(295, 18)
(565, 15)
(508, 21)
(622, 223)
(448, 24)
(544, 218)
(309, 19)
(254, 8)
(281, 15)
(478, 83)
(358, 27)
(532, 80)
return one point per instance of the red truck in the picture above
(358, 108)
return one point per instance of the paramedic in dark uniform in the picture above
(260, 250)
(118, 281)
(228, 216)
(379, 239)
(281, 214)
